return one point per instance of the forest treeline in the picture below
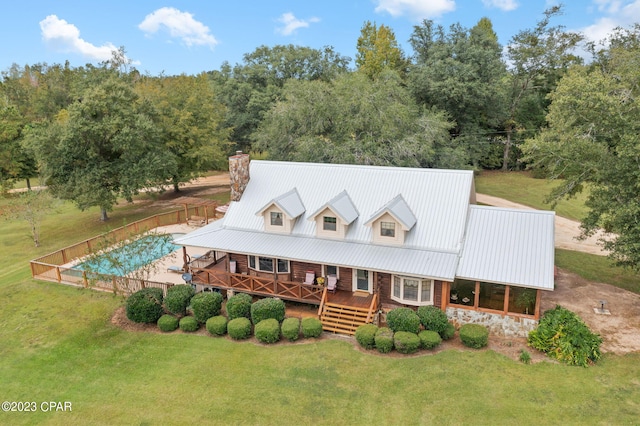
(460, 100)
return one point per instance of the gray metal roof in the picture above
(342, 206)
(399, 209)
(509, 246)
(289, 202)
(423, 263)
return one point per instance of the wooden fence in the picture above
(50, 267)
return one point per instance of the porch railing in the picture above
(289, 290)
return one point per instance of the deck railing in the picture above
(289, 290)
(50, 266)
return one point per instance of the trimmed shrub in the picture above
(270, 307)
(406, 342)
(366, 335)
(239, 306)
(206, 305)
(217, 325)
(311, 327)
(474, 335)
(449, 332)
(433, 318)
(291, 329)
(384, 340)
(562, 335)
(239, 328)
(429, 339)
(403, 319)
(145, 306)
(178, 298)
(189, 324)
(267, 330)
(168, 323)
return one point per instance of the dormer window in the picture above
(388, 229)
(329, 223)
(276, 218)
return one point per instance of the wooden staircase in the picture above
(343, 319)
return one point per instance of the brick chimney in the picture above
(238, 174)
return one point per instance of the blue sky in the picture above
(192, 36)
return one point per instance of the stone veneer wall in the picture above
(502, 325)
(238, 174)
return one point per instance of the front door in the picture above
(362, 280)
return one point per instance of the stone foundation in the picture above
(502, 325)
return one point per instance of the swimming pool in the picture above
(128, 258)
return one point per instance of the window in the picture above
(276, 218)
(388, 229)
(329, 223)
(331, 270)
(410, 290)
(266, 264)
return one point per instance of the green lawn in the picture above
(519, 187)
(57, 344)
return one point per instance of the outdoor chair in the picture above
(310, 278)
(332, 283)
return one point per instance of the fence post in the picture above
(84, 279)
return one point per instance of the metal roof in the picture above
(438, 198)
(423, 263)
(342, 206)
(399, 209)
(289, 202)
(509, 246)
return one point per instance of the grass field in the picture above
(519, 187)
(57, 344)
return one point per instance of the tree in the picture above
(459, 72)
(592, 139)
(32, 207)
(539, 57)
(106, 145)
(248, 90)
(190, 120)
(355, 120)
(378, 50)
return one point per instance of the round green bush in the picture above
(267, 330)
(429, 339)
(474, 335)
(167, 323)
(406, 342)
(269, 307)
(145, 306)
(311, 327)
(433, 318)
(384, 340)
(239, 306)
(217, 325)
(403, 319)
(206, 305)
(189, 324)
(178, 298)
(291, 329)
(449, 332)
(239, 328)
(366, 335)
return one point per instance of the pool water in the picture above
(126, 259)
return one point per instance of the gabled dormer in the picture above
(281, 213)
(333, 218)
(391, 223)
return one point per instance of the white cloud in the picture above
(416, 9)
(617, 14)
(506, 5)
(179, 25)
(65, 37)
(290, 23)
